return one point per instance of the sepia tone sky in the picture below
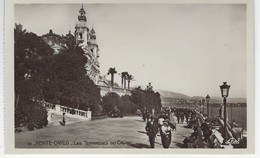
(190, 49)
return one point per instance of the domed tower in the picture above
(93, 44)
(81, 29)
(87, 41)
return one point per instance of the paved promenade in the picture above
(126, 132)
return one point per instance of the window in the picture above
(80, 35)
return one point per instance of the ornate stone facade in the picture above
(55, 41)
(86, 39)
(83, 37)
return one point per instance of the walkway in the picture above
(127, 132)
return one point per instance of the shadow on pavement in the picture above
(139, 121)
(142, 132)
(139, 145)
(157, 143)
(178, 144)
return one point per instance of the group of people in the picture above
(163, 124)
(206, 130)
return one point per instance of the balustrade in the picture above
(55, 108)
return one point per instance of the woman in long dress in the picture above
(166, 134)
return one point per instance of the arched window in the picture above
(80, 35)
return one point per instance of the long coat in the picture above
(152, 129)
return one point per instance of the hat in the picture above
(166, 120)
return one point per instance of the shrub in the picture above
(30, 114)
(37, 116)
(40, 116)
(127, 106)
(109, 101)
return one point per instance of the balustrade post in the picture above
(57, 108)
(89, 114)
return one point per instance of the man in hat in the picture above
(151, 130)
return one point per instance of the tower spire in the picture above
(82, 14)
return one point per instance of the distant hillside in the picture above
(169, 94)
(212, 99)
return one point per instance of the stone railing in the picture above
(118, 90)
(217, 138)
(70, 112)
(232, 135)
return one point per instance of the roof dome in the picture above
(92, 31)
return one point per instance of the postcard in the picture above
(131, 77)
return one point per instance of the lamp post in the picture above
(231, 113)
(200, 106)
(203, 102)
(224, 92)
(207, 100)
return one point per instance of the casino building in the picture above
(86, 39)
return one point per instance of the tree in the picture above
(146, 99)
(137, 97)
(110, 100)
(127, 106)
(112, 71)
(129, 78)
(77, 90)
(32, 56)
(123, 78)
(57, 78)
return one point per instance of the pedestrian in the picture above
(152, 130)
(147, 116)
(144, 114)
(178, 116)
(160, 123)
(234, 124)
(172, 121)
(187, 116)
(191, 139)
(206, 132)
(182, 117)
(63, 122)
(166, 135)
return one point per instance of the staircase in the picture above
(72, 115)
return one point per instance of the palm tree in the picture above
(129, 79)
(123, 79)
(19, 31)
(112, 71)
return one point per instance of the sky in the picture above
(184, 48)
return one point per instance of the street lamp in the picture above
(224, 92)
(203, 102)
(200, 106)
(207, 100)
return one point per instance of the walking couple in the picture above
(153, 127)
